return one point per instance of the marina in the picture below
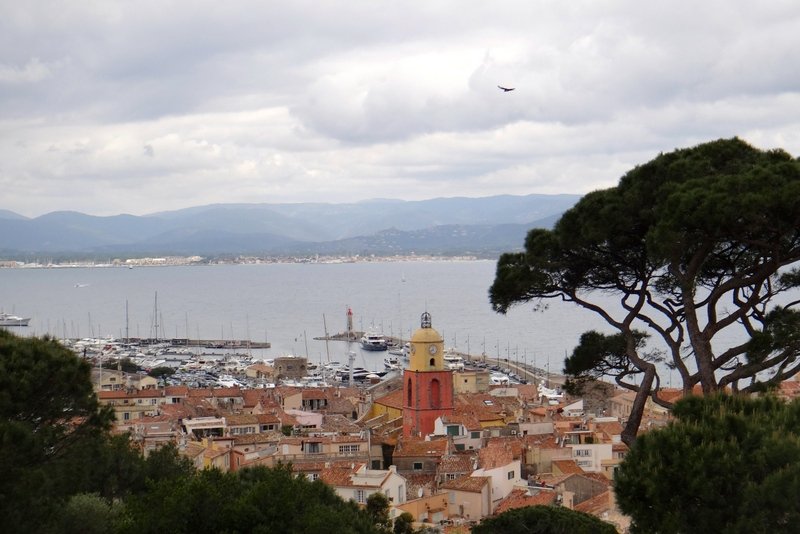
(294, 309)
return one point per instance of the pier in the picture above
(206, 343)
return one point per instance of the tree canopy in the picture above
(60, 465)
(49, 419)
(262, 500)
(544, 520)
(699, 247)
(726, 464)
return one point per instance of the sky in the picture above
(110, 107)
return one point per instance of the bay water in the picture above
(291, 304)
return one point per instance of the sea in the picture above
(292, 305)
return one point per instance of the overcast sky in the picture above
(142, 106)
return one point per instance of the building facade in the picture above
(427, 383)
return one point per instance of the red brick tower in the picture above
(427, 385)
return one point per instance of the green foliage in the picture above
(49, 418)
(159, 372)
(260, 500)
(88, 513)
(63, 471)
(125, 365)
(543, 520)
(696, 245)
(726, 464)
(378, 510)
(403, 524)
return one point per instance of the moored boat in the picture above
(6, 319)
(372, 341)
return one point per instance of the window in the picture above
(417, 466)
(313, 476)
(583, 452)
(345, 449)
(450, 476)
(510, 475)
(453, 430)
(126, 416)
(475, 435)
(361, 496)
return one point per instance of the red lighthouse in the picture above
(427, 384)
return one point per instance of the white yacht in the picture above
(372, 341)
(6, 319)
(453, 362)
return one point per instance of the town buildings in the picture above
(442, 452)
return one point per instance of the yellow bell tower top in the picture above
(427, 348)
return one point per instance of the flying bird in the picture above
(506, 89)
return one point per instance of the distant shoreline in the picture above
(173, 261)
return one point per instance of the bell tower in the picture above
(427, 384)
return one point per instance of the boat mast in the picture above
(327, 350)
(127, 335)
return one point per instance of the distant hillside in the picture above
(447, 226)
(5, 214)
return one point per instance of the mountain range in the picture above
(483, 227)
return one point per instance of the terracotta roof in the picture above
(520, 498)
(417, 481)
(338, 476)
(612, 428)
(492, 457)
(226, 392)
(193, 449)
(199, 392)
(339, 423)
(240, 420)
(542, 441)
(568, 467)
(595, 505)
(467, 483)
(457, 463)
(130, 394)
(314, 393)
(527, 391)
(262, 437)
(215, 453)
(513, 442)
(409, 447)
(308, 467)
(268, 418)
(463, 416)
(176, 391)
(392, 400)
(338, 405)
(675, 394)
(251, 397)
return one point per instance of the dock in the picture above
(355, 337)
(207, 343)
